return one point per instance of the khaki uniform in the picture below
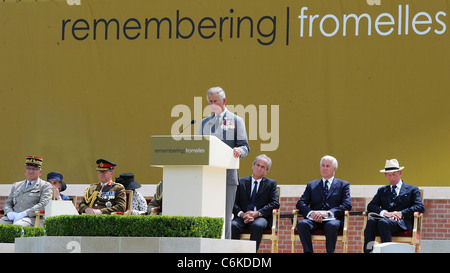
(110, 198)
(35, 197)
(157, 199)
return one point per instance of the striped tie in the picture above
(325, 188)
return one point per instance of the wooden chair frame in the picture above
(129, 202)
(413, 239)
(273, 236)
(315, 237)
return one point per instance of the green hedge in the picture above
(9, 232)
(133, 226)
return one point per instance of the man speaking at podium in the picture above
(229, 128)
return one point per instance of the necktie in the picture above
(393, 193)
(216, 124)
(27, 184)
(325, 188)
(251, 206)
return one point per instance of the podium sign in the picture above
(169, 151)
(192, 151)
(194, 174)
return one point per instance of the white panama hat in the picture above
(391, 166)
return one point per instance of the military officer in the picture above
(156, 202)
(104, 197)
(27, 196)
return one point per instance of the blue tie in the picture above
(394, 194)
(325, 188)
(251, 206)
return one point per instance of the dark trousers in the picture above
(256, 229)
(306, 226)
(384, 227)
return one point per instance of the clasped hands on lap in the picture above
(93, 211)
(249, 216)
(318, 216)
(394, 215)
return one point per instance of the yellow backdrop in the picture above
(361, 82)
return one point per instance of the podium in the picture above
(194, 174)
(60, 207)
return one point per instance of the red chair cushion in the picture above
(407, 233)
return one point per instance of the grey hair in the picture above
(334, 161)
(216, 90)
(269, 161)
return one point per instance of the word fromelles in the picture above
(384, 23)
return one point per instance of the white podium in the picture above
(194, 174)
(60, 207)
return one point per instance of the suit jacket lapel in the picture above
(212, 125)
(30, 187)
(248, 186)
(36, 185)
(387, 192)
(403, 189)
(261, 187)
(332, 188)
(224, 118)
(319, 188)
(21, 186)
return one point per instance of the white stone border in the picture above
(79, 244)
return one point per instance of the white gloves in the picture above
(16, 216)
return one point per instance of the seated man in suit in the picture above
(256, 197)
(396, 203)
(323, 205)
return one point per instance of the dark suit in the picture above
(407, 202)
(266, 201)
(337, 201)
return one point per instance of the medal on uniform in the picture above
(108, 204)
(228, 124)
(232, 125)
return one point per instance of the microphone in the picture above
(192, 122)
